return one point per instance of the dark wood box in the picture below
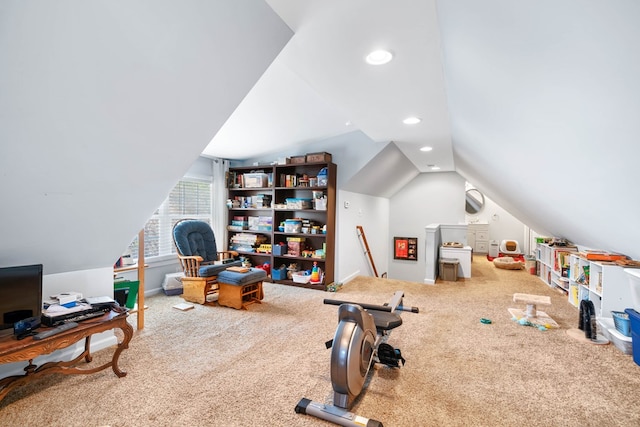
(294, 160)
(318, 157)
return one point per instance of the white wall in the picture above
(502, 225)
(103, 110)
(431, 198)
(372, 213)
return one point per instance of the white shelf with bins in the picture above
(578, 284)
(553, 265)
(607, 286)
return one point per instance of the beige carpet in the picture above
(215, 366)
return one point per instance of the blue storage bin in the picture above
(622, 322)
(279, 274)
(634, 317)
(279, 250)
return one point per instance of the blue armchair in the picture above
(200, 260)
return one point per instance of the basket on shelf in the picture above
(622, 322)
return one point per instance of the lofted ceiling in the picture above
(535, 103)
(320, 86)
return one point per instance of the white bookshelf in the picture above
(553, 266)
(607, 286)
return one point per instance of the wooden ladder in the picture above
(366, 248)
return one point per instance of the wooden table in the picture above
(12, 350)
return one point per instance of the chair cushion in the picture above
(215, 269)
(194, 237)
(235, 278)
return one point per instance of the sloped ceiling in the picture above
(337, 92)
(535, 103)
(384, 175)
(544, 99)
(105, 105)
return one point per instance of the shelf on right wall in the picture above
(604, 283)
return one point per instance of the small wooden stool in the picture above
(240, 296)
(531, 313)
(238, 290)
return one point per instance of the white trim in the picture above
(351, 277)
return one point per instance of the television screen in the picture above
(20, 294)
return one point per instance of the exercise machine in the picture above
(359, 343)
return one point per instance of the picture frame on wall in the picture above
(405, 248)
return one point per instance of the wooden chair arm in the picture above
(190, 264)
(227, 253)
(197, 258)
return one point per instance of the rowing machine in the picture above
(358, 344)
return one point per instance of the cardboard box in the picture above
(318, 157)
(295, 248)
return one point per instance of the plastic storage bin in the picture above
(298, 203)
(493, 249)
(634, 317)
(530, 264)
(292, 226)
(449, 269)
(255, 180)
(608, 330)
(622, 323)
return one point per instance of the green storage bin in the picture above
(133, 286)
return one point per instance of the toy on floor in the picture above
(531, 316)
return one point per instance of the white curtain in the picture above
(219, 211)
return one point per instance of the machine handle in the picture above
(372, 306)
(365, 306)
(409, 308)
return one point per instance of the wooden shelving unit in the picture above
(284, 182)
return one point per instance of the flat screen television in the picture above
(20, 294)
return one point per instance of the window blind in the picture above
(190, 198)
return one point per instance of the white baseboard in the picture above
(351, 277)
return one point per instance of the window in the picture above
(189, 199)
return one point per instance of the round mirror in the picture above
(474, 201)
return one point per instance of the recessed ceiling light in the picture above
(412, 120)
(435, 168)
(426, 148)
(379, 57)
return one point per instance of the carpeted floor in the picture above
(215, 366)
